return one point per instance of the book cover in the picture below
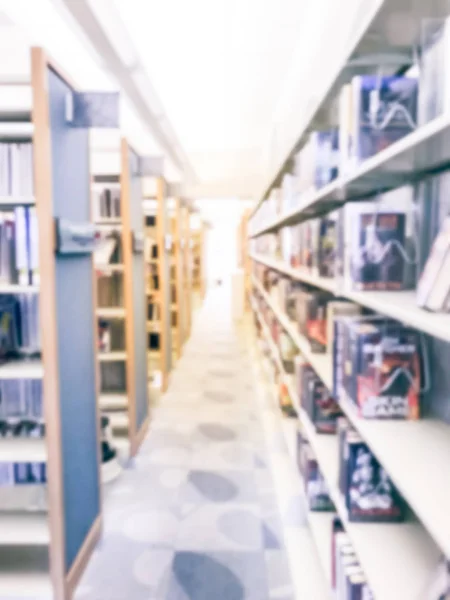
(385, 358)
(378, 252)
(385, 110)
(316, 487)
(370, 495)
(327, 247)
(311, 315)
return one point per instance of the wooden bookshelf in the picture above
(158, 243)
(46, 539)
(187, 271)
(123, 395)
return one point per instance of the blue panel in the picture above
(75, 319)
(140, 313)
(95, 109)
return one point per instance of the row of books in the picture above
(19, 246)
(12, 474)
(111, 335)
(368, 493)
(16, 170)
(108, 249)
(107, 204)
(379, 364)
(19, 326)
(21, 399)
(348, 580)
(110, 292)
(374, 112)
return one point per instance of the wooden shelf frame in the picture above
(134, 404)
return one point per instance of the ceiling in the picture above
(218, 67)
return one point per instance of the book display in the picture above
(50, 501)
(350, 253)
(119, 273)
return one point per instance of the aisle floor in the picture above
(195, 517)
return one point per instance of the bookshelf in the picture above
(186, 271)
(120, 312)
(405, 176)
(159, 250)
(50, 503)
(177, 278)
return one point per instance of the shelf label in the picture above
(92, 109)
(74, 238)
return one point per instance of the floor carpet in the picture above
(195, 516)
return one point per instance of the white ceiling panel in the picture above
(217, 64)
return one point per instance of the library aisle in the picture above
(196, 517)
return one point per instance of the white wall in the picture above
(221, 253)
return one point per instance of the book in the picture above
(316, 487)
(311, 315)
(335, 310)
(378, 251)
(16, 169)
(380, 368)
(369, 494)
(327, 246)
(384, 109)
(433, 287)
(317, 401)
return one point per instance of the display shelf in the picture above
(43, 554)
(132, 422)
(378, 544)
(320, 524)
(22, 369)
(23, 569)
(422, 551)
(16, 102)
(426, 445)
(302, 545)
(371, 45)
(23, 450)
(111, 312)
(20, 130)
(110, 269)
(112, 356)
(321, 363)
(401, 306)
(108, 221)
(12, 201)
(13, 288)
(24, 528)
(111, 401)
(119, 420)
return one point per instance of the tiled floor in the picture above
(196, 516)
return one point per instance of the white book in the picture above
(34, 246)
(434, 283)
(22, 255)
(104, 251)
